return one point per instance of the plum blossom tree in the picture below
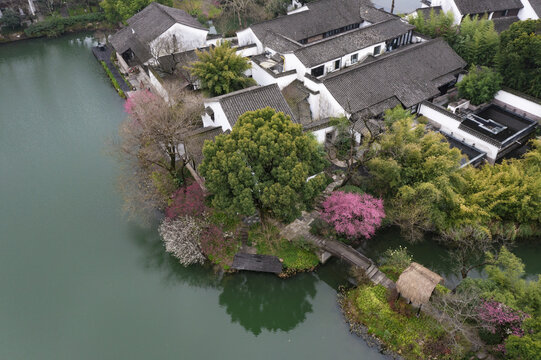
(353, 215)
(181, 237)
(500, 319)
(188, 200)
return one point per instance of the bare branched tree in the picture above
(164, 50)
(458, 314)
(239, 7)
(151, 146)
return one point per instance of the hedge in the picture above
(113, 80)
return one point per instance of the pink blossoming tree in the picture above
(500, 319)
(353, 215)
(188, 200)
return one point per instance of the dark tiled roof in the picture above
(536, 5)
(146, 26)
(514, 125)
(253, 98)
(473, 155)
(196, 139)
(426, 11)
(408, 74)
(503, 23)
(346, 43)
(482, 6)
(321, 16)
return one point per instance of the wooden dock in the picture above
(260, 263)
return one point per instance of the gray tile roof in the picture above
(321, 16)
(410, 74)
(536, 5)
(503, 23)
(346, 43)
(146, 26)
(482, 6)
(196, 139)
(253, 98)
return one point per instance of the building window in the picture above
(337, 64)
(377, 50)
(354, 58)
(318, 71)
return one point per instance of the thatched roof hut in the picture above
(416, 283)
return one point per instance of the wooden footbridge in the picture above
(301, 228)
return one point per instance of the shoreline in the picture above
(74, 29)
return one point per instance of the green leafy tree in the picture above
(414, 171)
(527, 347)
(480, 85)
(263, 165)
(221, 70)
(436, 25)
(477, 41)
(505, 283)
(10, 19)
(519, 58)
(122, 10)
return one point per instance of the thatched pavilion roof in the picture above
(416, 283)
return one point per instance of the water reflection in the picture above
(155, 258)
(263, 301)
(255, 301)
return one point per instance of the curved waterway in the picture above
(77, 281)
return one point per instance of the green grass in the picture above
(226, 221)
(403, 332)
(296, 255)
(113, 80)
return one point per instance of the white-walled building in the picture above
(349, 58)
(158, 31)
(493, 130)
(502, 12)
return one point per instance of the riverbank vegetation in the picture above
(113, 80)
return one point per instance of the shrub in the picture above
(480, 85)
(411, 335)
(353, 215)
(351, 189)
(181, 239)
(394, 261)
(220, 248)
(188, 200)
(113, 80)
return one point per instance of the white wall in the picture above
(187, 38)
(247, 37)
(527, 12)
(519, 102)
(323, 104)
(292, 62)
(320, 134)
(262, 77)
(450, 126)
(249, 51)
(219, 116)
(345, 60)
(155, 82)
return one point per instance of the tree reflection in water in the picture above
(255, 301)
(264, 301)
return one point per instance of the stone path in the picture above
(301, 228)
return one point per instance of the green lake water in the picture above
(78, 281)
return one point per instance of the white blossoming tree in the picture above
(181, 238)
